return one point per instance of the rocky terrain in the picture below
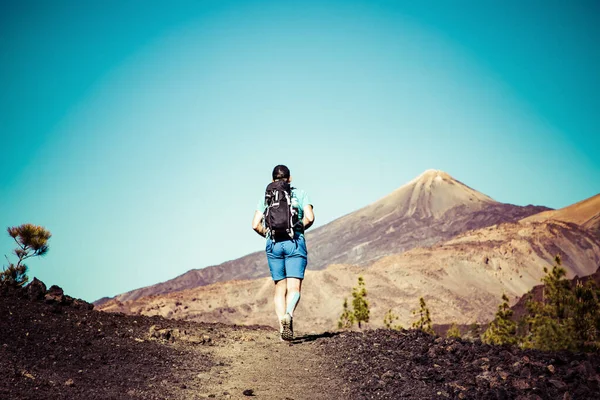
(55, 347)
(430, 209)
(386, 364)
(461, 279)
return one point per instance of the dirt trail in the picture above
(257, 363)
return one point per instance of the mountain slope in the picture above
(429, 209)
(585, 213)
(461, 280)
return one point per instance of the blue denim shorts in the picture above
(287, 259)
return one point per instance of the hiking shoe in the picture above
(287, 331)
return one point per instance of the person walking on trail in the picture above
(282, 216)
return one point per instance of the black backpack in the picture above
(280, 216)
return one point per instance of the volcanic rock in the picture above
(36, 290)
(460, 376)
(55, 295)
(86, 355)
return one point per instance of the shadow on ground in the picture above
(313, 337)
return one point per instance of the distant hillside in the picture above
(585, 213)
(101, 301)
(461, 280)
(429, 209)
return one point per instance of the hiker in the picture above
(282, 216)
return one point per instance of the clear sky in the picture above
(142, 133)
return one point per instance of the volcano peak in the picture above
(431, 194)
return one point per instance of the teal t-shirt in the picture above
(299, 200)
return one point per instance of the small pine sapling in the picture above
(502, 330)
(360, 304)
(550, 326)
(347, 318)
(424, 321)
(32, 241)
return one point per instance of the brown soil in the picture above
(54, 347)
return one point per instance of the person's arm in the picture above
(309, 216)
(257, 224)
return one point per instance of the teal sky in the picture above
(142, 133)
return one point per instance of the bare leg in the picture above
(294, 285)
(279, 298)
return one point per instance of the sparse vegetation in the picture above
(389, 320)
(360, 307)
(347, 318)
(502, 330)
(453, 332)
(360, 303)
(32, 241)
(549, 327)
(424, 321)
(567, 318)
